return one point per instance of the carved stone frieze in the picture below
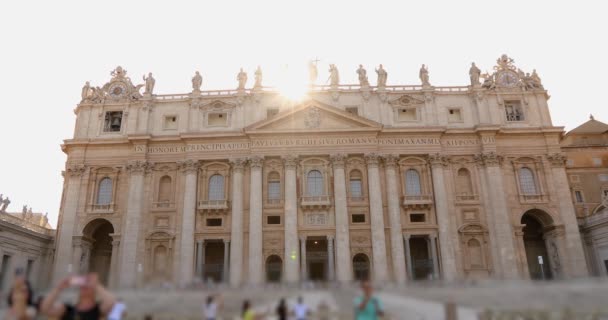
(188, 166)
(313, 118)
(256, 162)
(557, 159)
(338, 160)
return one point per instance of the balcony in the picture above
(102, 208)
(274, 203)
(465, 198)
(315, 202)
(214, 206)
(533, 198)
(163, 206)
(355, 201)
(417, 201)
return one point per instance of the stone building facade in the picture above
(26, 244)
(354, 181)
(586, 148)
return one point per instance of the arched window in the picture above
(526, 181)
(104, 193)
(274, 186)
(475, 253)
(314, 183)
(356, 190)
(216, 187)
(164, 189)
(412, 183)
(463, 182)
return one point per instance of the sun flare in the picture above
(292, 84)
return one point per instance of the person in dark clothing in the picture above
(282, 310)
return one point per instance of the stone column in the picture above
(330, 259)
(434, 256)
(77, 256)
(576, 265)
(128, 259)
(377, 218)
(186, 245)
(67, 222)
(200, 258)
(303, 271)
(448, 260)
(502, 225)
(236, 234)
(344, 267)
(291, 220)
(256, 253)
(114, 263)
(225, 272)
(394, 216)
(408, 256)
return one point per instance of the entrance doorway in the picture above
(361, 267)
(316, 258)
(535, 222)
(422, 263)
(100, 256)
(213, 266)
(274, 268)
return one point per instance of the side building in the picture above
(586, 148)
(392, 182)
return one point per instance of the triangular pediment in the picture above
(314, 116)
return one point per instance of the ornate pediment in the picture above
(406, 101)
(119, 88)
(314, 116)
(217, 105)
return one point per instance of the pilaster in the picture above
(343, 259)
(376, 218)
(256, 253)
(394, 215)
(236, 233)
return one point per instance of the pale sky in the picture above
(50, 48)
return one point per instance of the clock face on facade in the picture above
(117, 90)
(507, 79)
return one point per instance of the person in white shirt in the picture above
(300, 310)
(118, 311)
(211, 307)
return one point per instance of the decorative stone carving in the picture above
(75, 170)
(86, 91)
(363, 82)
(241, 77)
(197, 82)
(150, 82)
(474, 74)
(188, 166)
(423, 74)
(406, 101)
(238, 164)
(258, 78)
(390, 160)
(120, 87)
(334, 75)
(557, 159)
(138, 166)
(256, 162)
(337, 160)
(290, 161)
(372, 160)
(5, 204)
(316, 219)
(438, 159)
(313, 72)
(313, 118)
(488, 158)
(382, 76)
(359, 240)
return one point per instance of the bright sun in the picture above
(292, 84)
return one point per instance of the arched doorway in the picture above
(361, 267)
(274, 268)
(100, 256)
(535, 225)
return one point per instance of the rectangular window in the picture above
(274, 190)
(579, 196)
(454, 115)
(273, 219)
(271, 112)
(597, 162)
(170, 123)
(6, 260)
(358, 218)
(214, 222)
(353, 110)
(417, 217)
(514, 111)
(217, 119)
(407, 114)
(355, 188)
(113, 121)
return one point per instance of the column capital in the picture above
(188, 166)
(557, 159)
(390, 160)
(290, 161)
(406, 236)
(138, 166)
(226, 241)
(329, 239)
(302, 238)
(488, 158)
(75, 170)
(338, 160)
(256, 162)
(437, 160)
(238, 164)
(372, 160)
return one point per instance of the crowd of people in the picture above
(95, 302)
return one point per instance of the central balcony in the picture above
(417, 201)
(163, 205)
(274, 203)
(533, 198)
(315, 202)
(465, 198)
(102, 208)
(214, 206)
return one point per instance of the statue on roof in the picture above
(504, 63)
(474, 74)
(258, 78)
(488, 81)
(86, 91)
(423, 74)
(150, 82)
(241, 77)
(363, 82)
(119, 73)
(313, 72)
(197, 82)
(382, 75)
(5, 204)
(334, 75)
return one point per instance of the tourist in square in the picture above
(212, 307)
(367, 306)
(20, 299)
(88, 307)
(301, 310)
(119, 310)
(282, 311)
